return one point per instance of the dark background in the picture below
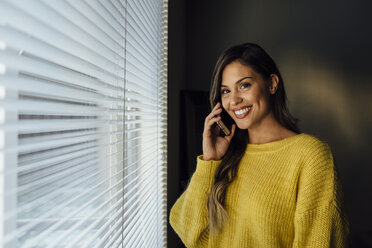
(323, 50)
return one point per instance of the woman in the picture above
(266, 184)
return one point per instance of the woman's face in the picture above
(244, 95)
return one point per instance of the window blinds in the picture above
(83, 110)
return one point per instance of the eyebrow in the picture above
(237, 81)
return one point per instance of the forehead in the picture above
(235, 71)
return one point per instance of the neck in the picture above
(268, 130)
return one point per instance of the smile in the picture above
(241, 113)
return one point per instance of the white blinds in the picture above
(83, 110)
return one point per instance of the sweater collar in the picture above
(274, 145)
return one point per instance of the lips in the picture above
(242, 112)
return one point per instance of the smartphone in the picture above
(223, 127)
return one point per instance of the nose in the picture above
(235, 98)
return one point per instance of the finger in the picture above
(216, 130)
(213, 114)
(216, 106)
(213, 120)
(210, 123)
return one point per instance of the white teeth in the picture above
(242, 111)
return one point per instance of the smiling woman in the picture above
(266, 184)
(238, 98)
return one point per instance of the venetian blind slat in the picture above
(83, 97)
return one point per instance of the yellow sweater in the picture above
(286, 194)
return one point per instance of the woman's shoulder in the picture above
(314, 150)
(313, 143)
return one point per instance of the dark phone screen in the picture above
(227, 120)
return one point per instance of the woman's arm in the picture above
(324, 226)
(189, 215)
(320, 218)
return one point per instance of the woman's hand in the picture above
(215, 146)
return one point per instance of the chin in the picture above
(241, 125)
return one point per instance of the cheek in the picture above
(259, 97)
(224, 104)
(263, 98)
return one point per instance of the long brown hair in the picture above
(252, 55)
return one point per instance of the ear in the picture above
(273, 83)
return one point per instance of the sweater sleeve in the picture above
(320, 217)
(189, 215)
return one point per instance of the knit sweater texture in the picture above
(286, 194)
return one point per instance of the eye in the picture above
(245, 85)
(224, 91)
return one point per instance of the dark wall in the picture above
(323, 50)
(176, 81)
(334, 32)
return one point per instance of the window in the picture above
(83, 110)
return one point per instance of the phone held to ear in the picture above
(223, 127)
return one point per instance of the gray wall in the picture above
(322, 49)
